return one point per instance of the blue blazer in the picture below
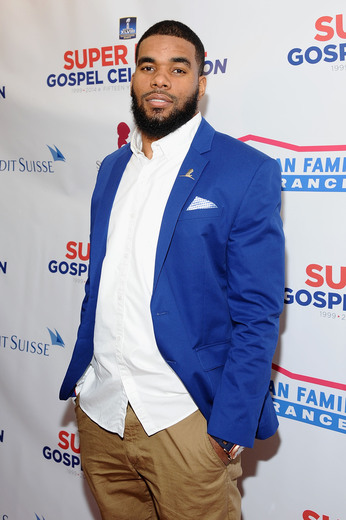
(218, 284)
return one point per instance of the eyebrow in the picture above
(178, 59)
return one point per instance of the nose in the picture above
(160, 79)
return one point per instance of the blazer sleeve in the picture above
(255, 281)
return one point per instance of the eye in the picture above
(179, 71)
(147, 68)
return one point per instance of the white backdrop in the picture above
(276, 79)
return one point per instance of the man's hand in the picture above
(219, 451)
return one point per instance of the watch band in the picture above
(232, 450)
(227, 446)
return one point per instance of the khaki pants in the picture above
(172, 475)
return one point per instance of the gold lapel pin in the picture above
(188, 174)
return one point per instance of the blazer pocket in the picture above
(214, 355)
(200, 213)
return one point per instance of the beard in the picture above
(158, 126)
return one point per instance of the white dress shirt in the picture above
(127, 365)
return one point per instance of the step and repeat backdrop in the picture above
(276, 76)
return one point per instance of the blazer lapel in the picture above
(104, 208)
(186, 180)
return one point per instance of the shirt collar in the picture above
(168, 145)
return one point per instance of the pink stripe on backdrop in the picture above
(294, 147)
(308, 379)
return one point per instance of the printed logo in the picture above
(78, 251)
(309, 400)
(28, 346)
(3, 92)
(3, 267)
(306, 168)
(328, 277)
(56, 339)
(215, 67)
(66, 453)
(56, 154)
(39, 517)
(2, 433)
(96, 69)
(122, 137)
(123, 131)
(312, 515)
(127, 28)
(30, 166)
(328, 28)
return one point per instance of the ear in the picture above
(202, 85)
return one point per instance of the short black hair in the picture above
(180, 30)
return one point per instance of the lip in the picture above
(158, 100)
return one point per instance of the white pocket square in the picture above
(199, 203)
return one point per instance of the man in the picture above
(180, 319)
